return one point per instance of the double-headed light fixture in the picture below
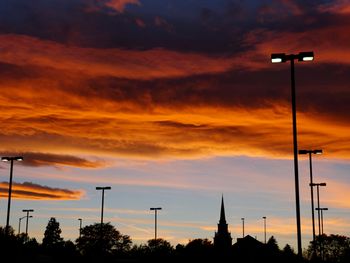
(282, 57)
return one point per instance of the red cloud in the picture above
(119, 5)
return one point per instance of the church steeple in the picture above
(222, 212)
(222, 239)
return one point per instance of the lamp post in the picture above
(243, 225)
(155, 209)
(310, 152)
(10, 159)
(278, 58)
(264, 217)
(80, 223)
(103, 198)
(321, 211)
(27, 211)
(19, 223)
(318, 204)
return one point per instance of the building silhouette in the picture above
(222, 238)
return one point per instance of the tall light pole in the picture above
(318, 204)
(322, 209)
(80, 223)
(103, 199)
(10, 159)
(155, 209)
(27, 211)
(279, 58)
(310, 152)
(19, 223)
(242, 226)
(264, 217)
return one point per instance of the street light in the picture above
(19, 223)
(155, 209)
(310, 152)
(279, 58)
(27, 211)
(318, 204)
(322, 209)
(243, 225)
(80, 220)
(103, 198)
(264, 217)
(10, 159)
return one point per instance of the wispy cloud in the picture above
(31, 191)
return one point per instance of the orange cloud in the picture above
(31, 191)
(148, 104)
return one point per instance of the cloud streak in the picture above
(37, 159)
(31, 191)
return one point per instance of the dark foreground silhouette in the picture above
(104, 243)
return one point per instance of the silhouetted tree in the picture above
(52, 236)
(287, 250)
(106, 240)
(289, 254)
(199, 248)
(332, 248)
(272, 244)
(160, 246)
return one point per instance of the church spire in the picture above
(222, 239)
(222, 212)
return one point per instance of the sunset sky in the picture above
(173, 103)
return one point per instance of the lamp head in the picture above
(323, 184)
(306, 56)
(317, 151)
(103, 188)
(155, 208)
(278, 57)
(303, 151)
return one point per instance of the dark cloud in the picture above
(200, 26)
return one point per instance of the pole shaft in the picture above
(318, 210)
(27, 224)
(295, 147)
(312, 199)
(19, 226)
(9, 199)
(103, 197)
(155, 224)
(322, 222)
(243, 227)
(265, 229)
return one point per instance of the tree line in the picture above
(104, 243)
